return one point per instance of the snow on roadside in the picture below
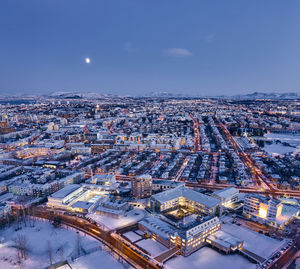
(96, 260)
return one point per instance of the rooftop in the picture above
(65, 191)
(182, 191)
(223, 193)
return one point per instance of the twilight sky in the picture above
(209, 47)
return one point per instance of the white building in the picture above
(228, 196)
(182, 196)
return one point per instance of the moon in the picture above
(87, 60)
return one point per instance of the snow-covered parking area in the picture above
(257, 243)
(153, 247)
(41, 238)
(209, 259)
(132, 236)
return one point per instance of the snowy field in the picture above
(274, 148)
(96, 260)
(293, 139)
(109, 223)
(209, 259)
(63, 243)
(132, 236)
(278, 149)
(255, 242)
(153, 247)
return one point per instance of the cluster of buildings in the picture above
(181, 162)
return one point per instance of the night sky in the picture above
(140, 46)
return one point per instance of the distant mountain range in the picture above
(262, 95)
(250, 96)
(79, 95)
(156, 94)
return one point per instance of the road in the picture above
(257, 174)
(213, 187)
(287, 256)
(134, 258)
(197, 138)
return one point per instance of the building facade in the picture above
(261, 208)
(141, 186)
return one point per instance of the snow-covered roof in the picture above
(182, 191)
(82, 205)
(227, 192)
(62, 193)
(225, 239)
(157, 226)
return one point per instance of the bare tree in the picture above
(60, 251)
(49, 250)
(18, 224)
(22, 246)
(19, 261)
(24, 215)
(78, 244)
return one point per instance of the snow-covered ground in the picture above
(109, 223)
(278, 148)
(153, 247)
(209, 259)
(96, 260)
(132, 236)
(63, 244)
(293, 139)
(255, 242)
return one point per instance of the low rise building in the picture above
(188, 238)
(258, 207)
(184, 197)
(141, 186)
(113, 209)
(162, 185)
(224, 241)
(228, 196)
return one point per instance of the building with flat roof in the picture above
(164, 184)
(105, 180)
(112, 208)
(78, 198)
(228, 196)
(224, 241)
(189, 237)
(184, 197)
(62, 198)
(259, 207)
(141, 186)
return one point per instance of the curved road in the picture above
(134, 258)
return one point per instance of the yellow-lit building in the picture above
(259, 207)
(188, 238)
(184, 197)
